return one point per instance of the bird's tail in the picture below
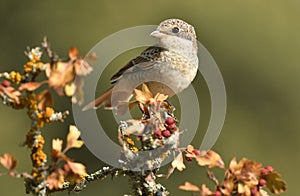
(103, 100)
(117, 99)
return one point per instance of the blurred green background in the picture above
(255, 43)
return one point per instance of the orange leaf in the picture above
(144, 95)
(10, 92)
(73, 53)
(56, 179)
(160, 97)
(72, 138)
(59, 75)
(77, 168)
(189, 187)
(205, 191)
(31, 86)
(44, 100)
(232, 163)
(210, 159)
(8, 161)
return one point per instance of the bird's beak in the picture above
(157, 34)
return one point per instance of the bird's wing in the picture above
(150, 54)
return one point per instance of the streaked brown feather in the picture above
(149, 54)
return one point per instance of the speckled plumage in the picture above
(171, 64)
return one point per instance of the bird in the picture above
(168, 67)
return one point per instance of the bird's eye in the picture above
(175, 30)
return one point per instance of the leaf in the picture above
(55, 180)
(205, 190)
(144, 95)
(70, 89)
(210, 159)
(232, 163)
(82, 67)
(178, 162)
(31, 86)
(243, 189)
(77, 168)
(44, 100)
(263, 192)
(274, 184)
(59, 75)
(72, 138)
(160, 97)
(57, 144)
(11, 92)
(8, 161)
(73, 53)
(78, 96)
(189, 187)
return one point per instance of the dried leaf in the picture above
(189, 187)
(78, 96)
(178, 162)
(205, 191)
(82, 67)
(73, 53)
(70, 89)
(232, 163)
(57, 144)
(263, 192)
(72, 138)
(77, 168)
(246, 170)
(160, 97)
(144, 95)
(210, 159)
(31, 86)
(55, 180)
(11, 92)
(44, 100)
(244, 189)
(8, 161)
(59, 75)
(275, 184)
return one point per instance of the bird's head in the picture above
(175, 34)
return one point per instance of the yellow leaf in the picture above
(70, 89)
(178, 162)
(57, 144)
(144, 95)
(160, 97)
(72, 138)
